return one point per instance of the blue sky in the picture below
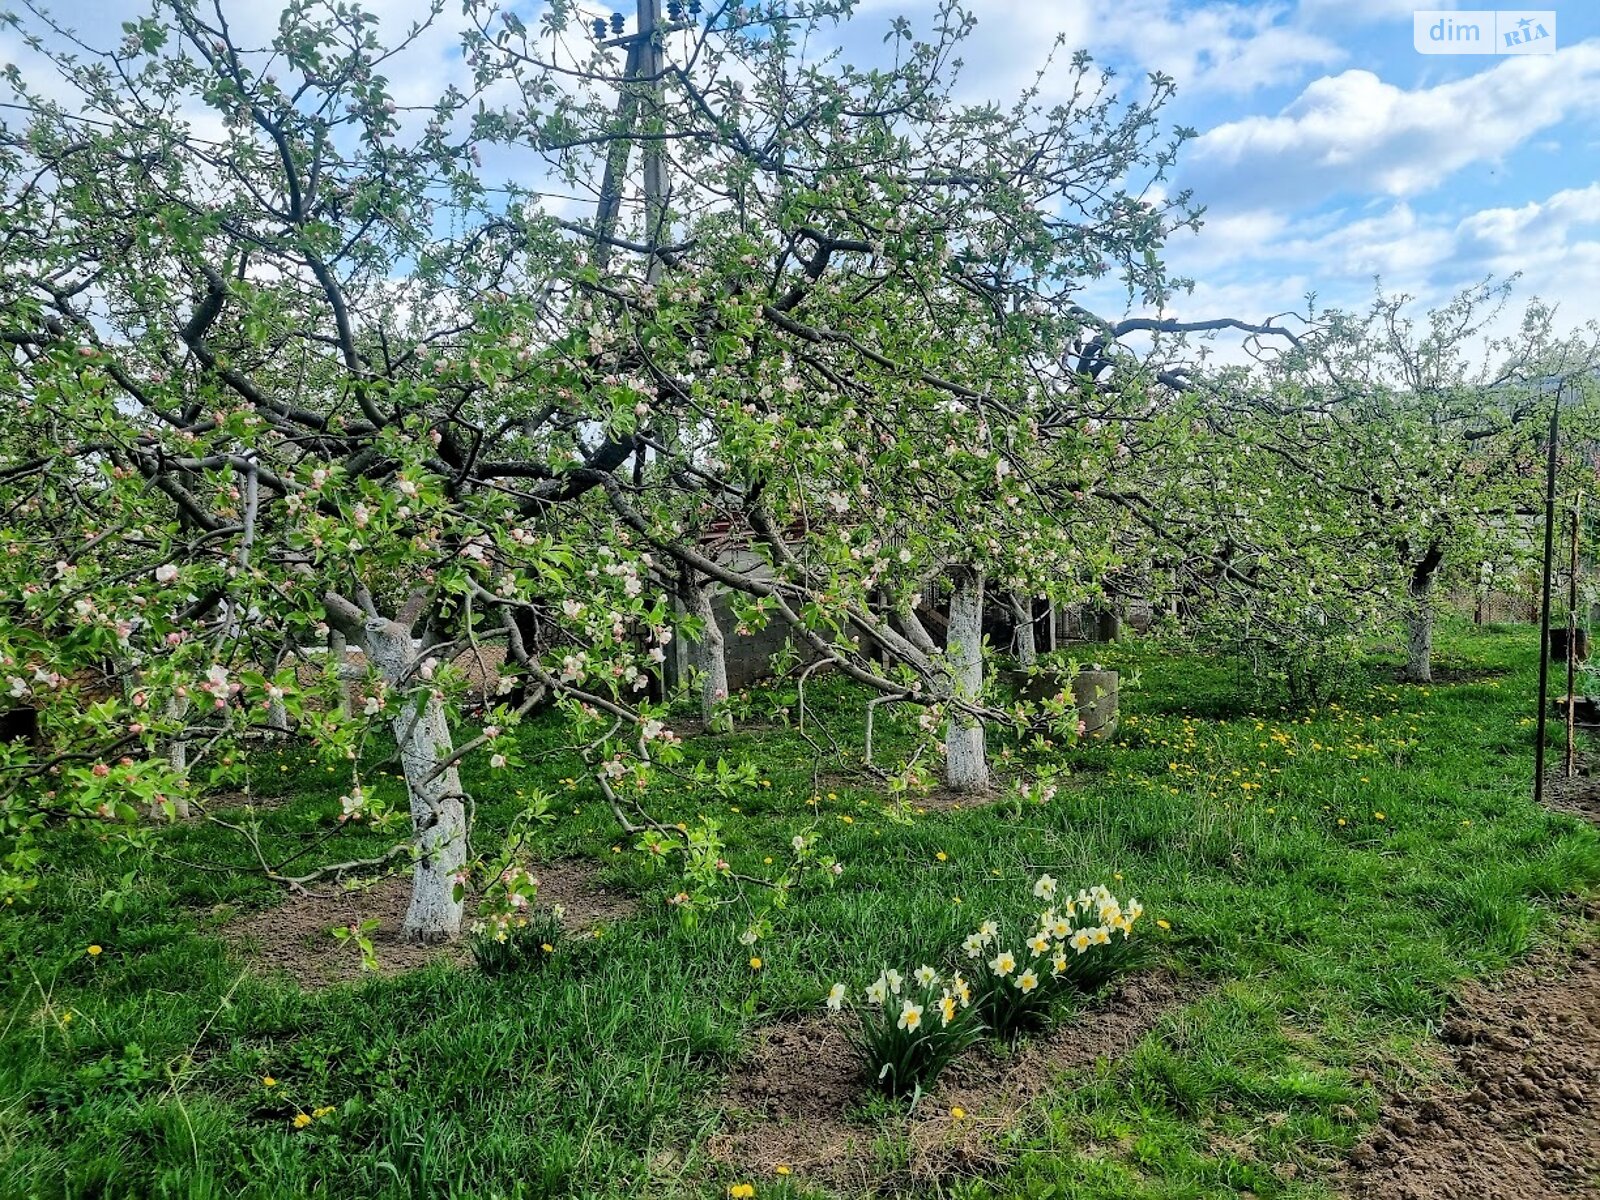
(1330, 151)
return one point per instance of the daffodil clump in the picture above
(1078, 943)
(512, 933)
(910, 1028)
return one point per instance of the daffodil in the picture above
(947, 1008)
(973, 945)
(1045, 887)
(877, 991)
(988, 931)
(1003, 963)
(1058, 964)
(910, 1016)
(894, 980)
(1081, 941)
(926, 975)
(1039, 942)
(836, 996)
(1027, 981)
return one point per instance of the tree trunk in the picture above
(709, 655)
(966, 769)
(1022, 613)
(438, 806)
(1419, 618)
(178, 760)
(337, 650)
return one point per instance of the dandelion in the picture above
(1163, 924)
(1027, 981)
(1003, 963)
(780, 1169)
(836, 996)
(267, 1081)
(1045, 888)
(755, 964)
(547, 947)
(301, 1120)
(958, 1113)
(319, 1113)
(926, 975)
(910, 1016)
(742, 1191)
(94, 951)
(942, 856)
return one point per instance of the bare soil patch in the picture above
(793, 1100)
(295, 936)
(1579, 795)
(1524, 1125)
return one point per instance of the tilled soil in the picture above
(1525, 1126)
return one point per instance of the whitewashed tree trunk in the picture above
(1419, 630)
(710, 656)
(966, 768)
(1022, 611)
(277, 716)
(177, 759)
(337, 650)
(438, 806)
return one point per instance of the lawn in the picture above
(1322, 879)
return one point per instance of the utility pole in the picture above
(641, 86)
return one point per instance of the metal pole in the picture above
(1544, 603)
(1572, 644)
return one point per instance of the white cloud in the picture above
(1354, 133)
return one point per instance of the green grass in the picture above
(1332, 948)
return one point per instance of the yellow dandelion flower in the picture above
(742, 1191)
(94, 951)
(319, 1113)
(942, 856)
(268, 1081)
(780, 1169)
(301, 1120)
(958, 1113)
(1163, 924)
(755, 964)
